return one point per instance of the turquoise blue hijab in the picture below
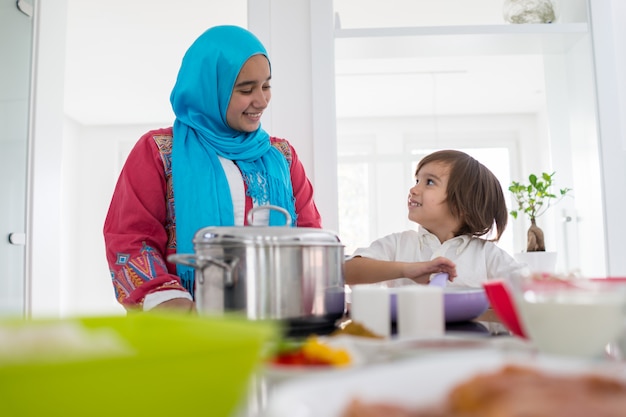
(200, 99)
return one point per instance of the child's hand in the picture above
(420, 272)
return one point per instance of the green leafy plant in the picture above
(533, 199)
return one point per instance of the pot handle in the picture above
(250, 216)
(184, 259)
(200, 262)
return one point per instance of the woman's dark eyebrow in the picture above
(250, 83)
(245, 84)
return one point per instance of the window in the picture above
(375, 172)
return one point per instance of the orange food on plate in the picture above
(312, 352)
(516, 391)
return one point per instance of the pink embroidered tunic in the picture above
(140, 227)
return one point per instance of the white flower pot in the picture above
(538, 261)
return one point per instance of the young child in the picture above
(457, 202)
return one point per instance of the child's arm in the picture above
(359, 270)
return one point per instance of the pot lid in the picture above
(266, 235)
(274, 235)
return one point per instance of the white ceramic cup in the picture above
(420, 311)
(371, 307)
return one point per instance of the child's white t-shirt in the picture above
(477, 260)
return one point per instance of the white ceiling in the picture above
(122, 58)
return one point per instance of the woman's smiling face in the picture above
(251, 95)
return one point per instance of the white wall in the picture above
(619, 34)
(93, 157)
(44, 224)
(300, 79)
(610, 52)
(73, 175)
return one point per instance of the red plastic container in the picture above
(503, 305)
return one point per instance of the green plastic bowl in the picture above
(175, 366)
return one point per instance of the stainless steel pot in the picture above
(268, 272)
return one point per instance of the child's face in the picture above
(427, 199)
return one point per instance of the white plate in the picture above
(368, 351)
(412, 383)
(365, 350)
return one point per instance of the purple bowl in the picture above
(459, 303)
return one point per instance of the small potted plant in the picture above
(533, 200)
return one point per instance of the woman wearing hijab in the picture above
(209, 169)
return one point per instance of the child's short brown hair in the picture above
(474, 194)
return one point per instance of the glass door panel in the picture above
(16, 28)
